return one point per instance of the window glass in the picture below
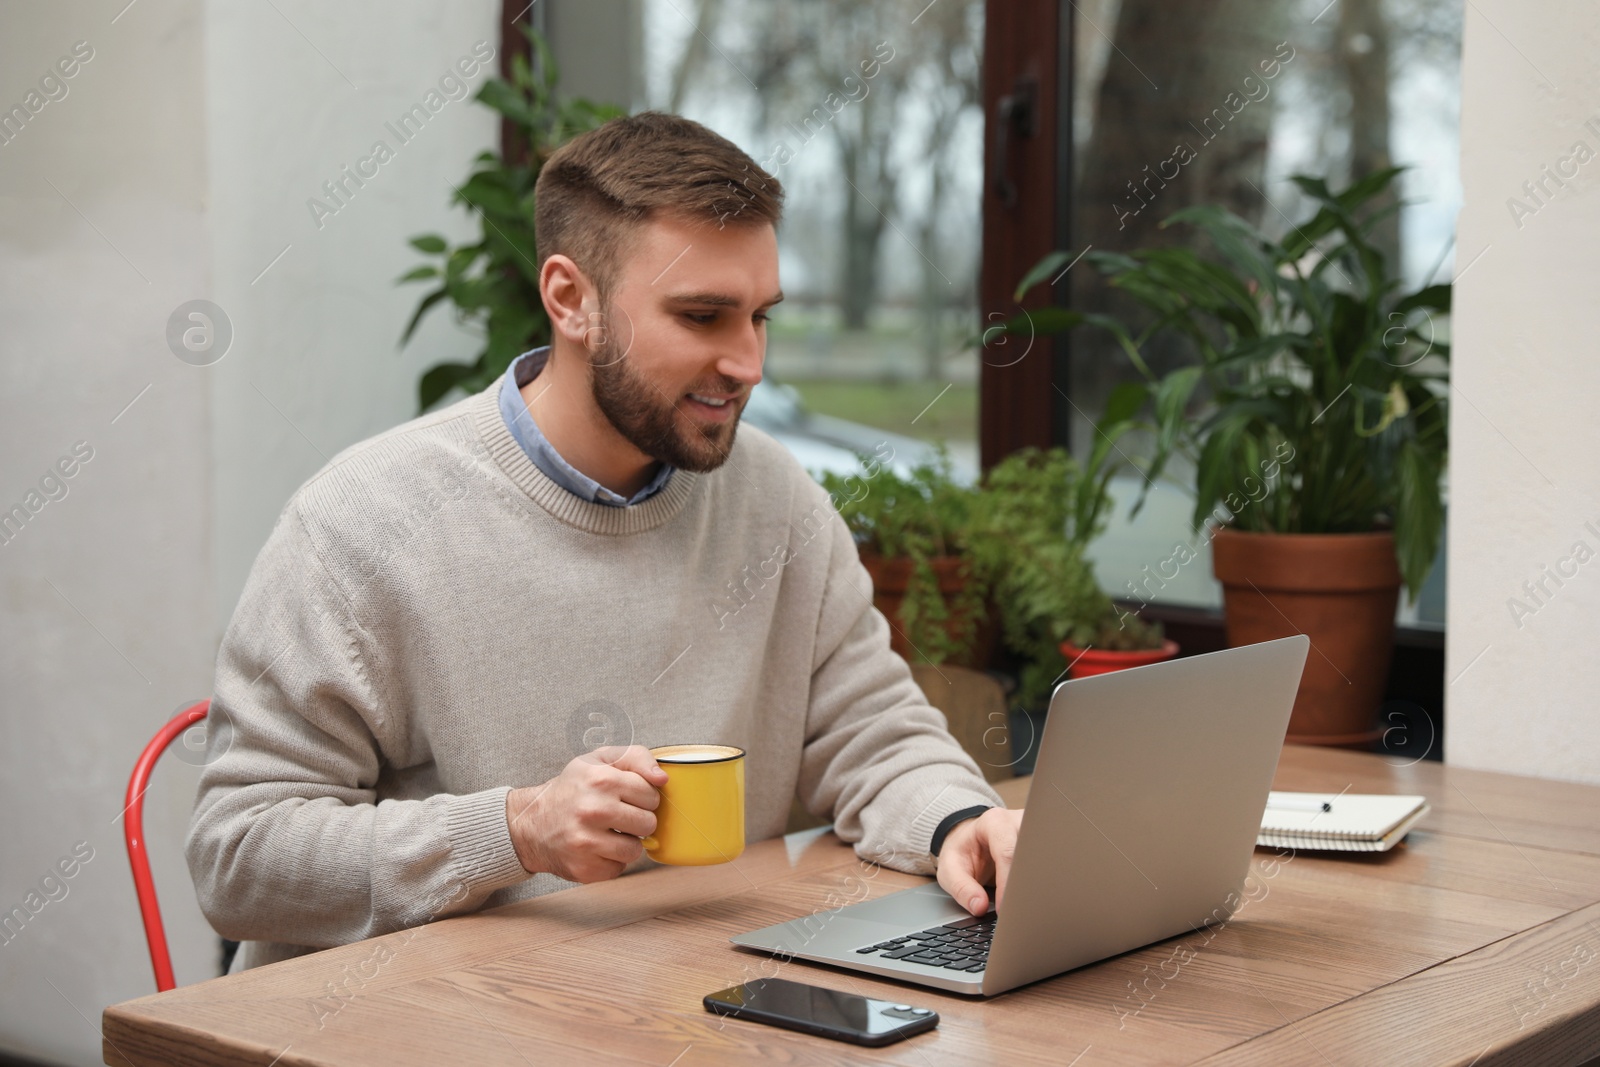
(1349, 86)
(868, 112)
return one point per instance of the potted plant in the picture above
(494, 282)
(1319, 457)
(1040, 512)
(957, 569)
(914, 535)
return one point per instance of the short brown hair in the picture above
(597, 189)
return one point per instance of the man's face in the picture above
(685, 328)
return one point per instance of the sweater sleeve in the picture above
(877, 754)
(288, 841)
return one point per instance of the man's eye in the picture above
(760, 317)
(701, 318)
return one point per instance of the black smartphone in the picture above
(824, 1012)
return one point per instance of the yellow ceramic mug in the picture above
(700, 819)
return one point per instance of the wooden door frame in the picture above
(1023, 383)
(513, 43)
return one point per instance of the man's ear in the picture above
(569, 298)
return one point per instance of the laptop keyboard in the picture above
(959, 946)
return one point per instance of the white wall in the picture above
(188, 144)
(315, 364)
(1522, 685)
(93, 668)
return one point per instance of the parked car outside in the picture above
(824, 443)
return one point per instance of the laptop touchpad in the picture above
(910, 909)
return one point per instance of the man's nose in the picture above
(745, 356)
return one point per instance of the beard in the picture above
(650, 420)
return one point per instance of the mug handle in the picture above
(650, 843)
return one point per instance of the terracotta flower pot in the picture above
(890, 578)
(1094, 661)
(1340, 590)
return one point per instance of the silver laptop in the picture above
(1147, 796)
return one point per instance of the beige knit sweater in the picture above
(434, 621)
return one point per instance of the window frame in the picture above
(1024, 400)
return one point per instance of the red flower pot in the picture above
(1103, 661)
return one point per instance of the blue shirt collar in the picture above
(525, 431)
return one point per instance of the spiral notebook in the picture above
(1346, 822)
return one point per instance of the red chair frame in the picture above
(133, 830)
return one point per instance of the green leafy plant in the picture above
(921, 516)
(1305, 342)
(1040, 512)
(1023, 533)
(493, 283)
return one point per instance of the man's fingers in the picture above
(596, 869)
(633, 821)
(637, 758)
(956, 875)
(1002, 839)
(1001, 856)
(621, 848)
(633, 789)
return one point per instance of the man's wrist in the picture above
(949, 822)
(517, 803)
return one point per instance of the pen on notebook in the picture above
(1298, 804)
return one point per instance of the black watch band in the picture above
(949, 822)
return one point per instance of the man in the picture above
(449, 618)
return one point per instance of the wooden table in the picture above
(1476, 942)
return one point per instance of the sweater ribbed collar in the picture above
(561, 502)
